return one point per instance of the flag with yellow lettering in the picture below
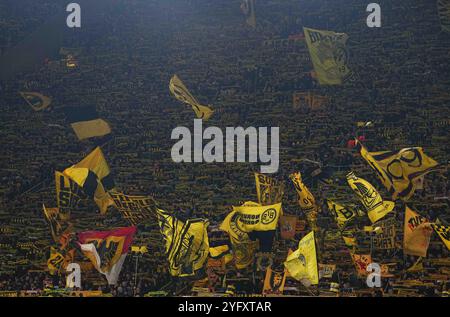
(329, 55)
(399, 171)
(268, 189)
(179, 90)
(370, 198)
(135, 209)
(68, 195)
(416, 234)
(36, 100)
(444, 233)
(186, 243)
(306, 200)
(341, 214)
(302, 263)
(444, 14)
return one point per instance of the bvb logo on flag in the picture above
(268, 216)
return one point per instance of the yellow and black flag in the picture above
(342, 214)
(187, 245)
(306, 200)
(58, 224)
(370, 198)
(269, 190)
(36, 100)
(399, 171)
(93, 175)
(302, 263)
(179, 90)
(86, 123)
(68, 195)
(248, 8)
(329, 56)
(444, 233)
(134, 208)
(274, 281)
(444, 14)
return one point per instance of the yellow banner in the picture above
(302, 263)
(329, 55)
(306, 200)
(341, 214)
(370, 198)
(257, 218)
(269, 190)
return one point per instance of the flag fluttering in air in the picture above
(306, 200)
(187, 245)
(444, 233)
(399, 171)
(416, 234)
(248, 8)
(36, 100)
(302, 263)
(107, 250)
(268, 189)
(179, 90)
(329, 55)
(93, 175)
(58, 224)
(342, 214)
(370, 198)
(86, 122)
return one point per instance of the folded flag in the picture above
(107, 250)
(86, 123)
(370, 198)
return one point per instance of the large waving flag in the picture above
(329, 55)
(269, 190)
(416, 234)
(302, 263)
(68, 195)
(187, 245)
(36, 100)
(306, 200)
(92, 174)
(342, 214)
(86, 122)
(107, 250)
(370, 198)
(399, 171)
(179, 90)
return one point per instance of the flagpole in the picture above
(135, 274)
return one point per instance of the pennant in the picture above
(187, 245)
(288, 226)
(179, 91)
(274, 282)
(302, 263)
(107, 250)
(36, 100)
(248, 8)
(86, 123)
(329, 56)
(399, 171)
(269, 190)
(306, 200)
(341, 214)
(135, 209)
(444, 14)
(92, 174)
(416, 234)
(444, 233)
(370, 198)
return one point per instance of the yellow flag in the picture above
(256, 217)
(187, 245)
(302, 263)
(306, 200)
(399, 171)
(416, 234)
(269, 190)
(36, 100)
(329, 55)
(179, 90)
(443, 233)
(370, 198)
(341, 214)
